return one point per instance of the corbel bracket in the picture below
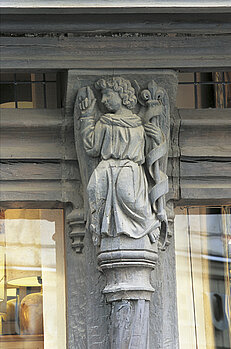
(122, 131)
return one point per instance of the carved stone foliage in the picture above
(122, 135)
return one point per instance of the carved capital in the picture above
(127, 264)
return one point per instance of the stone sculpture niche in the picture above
(122, 136)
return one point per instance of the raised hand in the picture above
(86, 101)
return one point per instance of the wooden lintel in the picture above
(164, 51)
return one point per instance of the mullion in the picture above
(44, 91)
(223, 88)
(15, 92)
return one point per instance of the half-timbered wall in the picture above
(39, 167)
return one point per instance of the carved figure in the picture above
(126, 189)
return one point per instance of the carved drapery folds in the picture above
(122, 127)
(121, 152)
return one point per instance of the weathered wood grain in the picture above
(205, 115)
(40, 191)
(117, 23)
(205, 133)
(19, 145)
(164, 51)
(37, 153)
(129, 324)
(38, 158)
(36, 134)
(205, 169)
(27, 119)
(44, 170)
(205, 156)
(214, 191)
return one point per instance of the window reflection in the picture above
(32, 284)
(203, 267)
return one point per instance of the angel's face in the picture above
(111, 100)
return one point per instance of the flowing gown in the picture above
(118, 188)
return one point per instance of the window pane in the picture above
(32, 294)
(204, 90)
(202, 241)
(31, 90)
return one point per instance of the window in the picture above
(203, 268)
(32, 281)
(31, 90)
(204, 90)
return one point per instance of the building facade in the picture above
(50, 51)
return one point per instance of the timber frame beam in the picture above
(199, 168)
(153, 51)
(100, 23)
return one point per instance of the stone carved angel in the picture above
(126, 188)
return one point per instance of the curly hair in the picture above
(122, 86)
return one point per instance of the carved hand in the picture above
(162, 215)
(154, 132)
(86, 100)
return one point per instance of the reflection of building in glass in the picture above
(33, 278)
(202, 276)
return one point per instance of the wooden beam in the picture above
(51, 191)
(196, 23)
(205, 133)
(38, 156)
(164, 51)
(28, 119)
(39, 170)
(206, 169)
(205, 160)
(36, 134)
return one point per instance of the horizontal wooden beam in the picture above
(209, 189)
(39, 157)
(28, 119)
(205, 156)
(41, 191)
(39, 170)
(196, 23)
(36, 134)
(205, 169)
(205, 133)
(164, 51)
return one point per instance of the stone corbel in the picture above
(77, 225)
(122, 130)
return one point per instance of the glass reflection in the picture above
(32, 279)
(203, 267)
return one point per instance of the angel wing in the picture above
(87, 164)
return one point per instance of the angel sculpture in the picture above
(126, 188)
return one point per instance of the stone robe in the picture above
(118, 188)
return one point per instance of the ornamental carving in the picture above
(122, 128)
(122, 134)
